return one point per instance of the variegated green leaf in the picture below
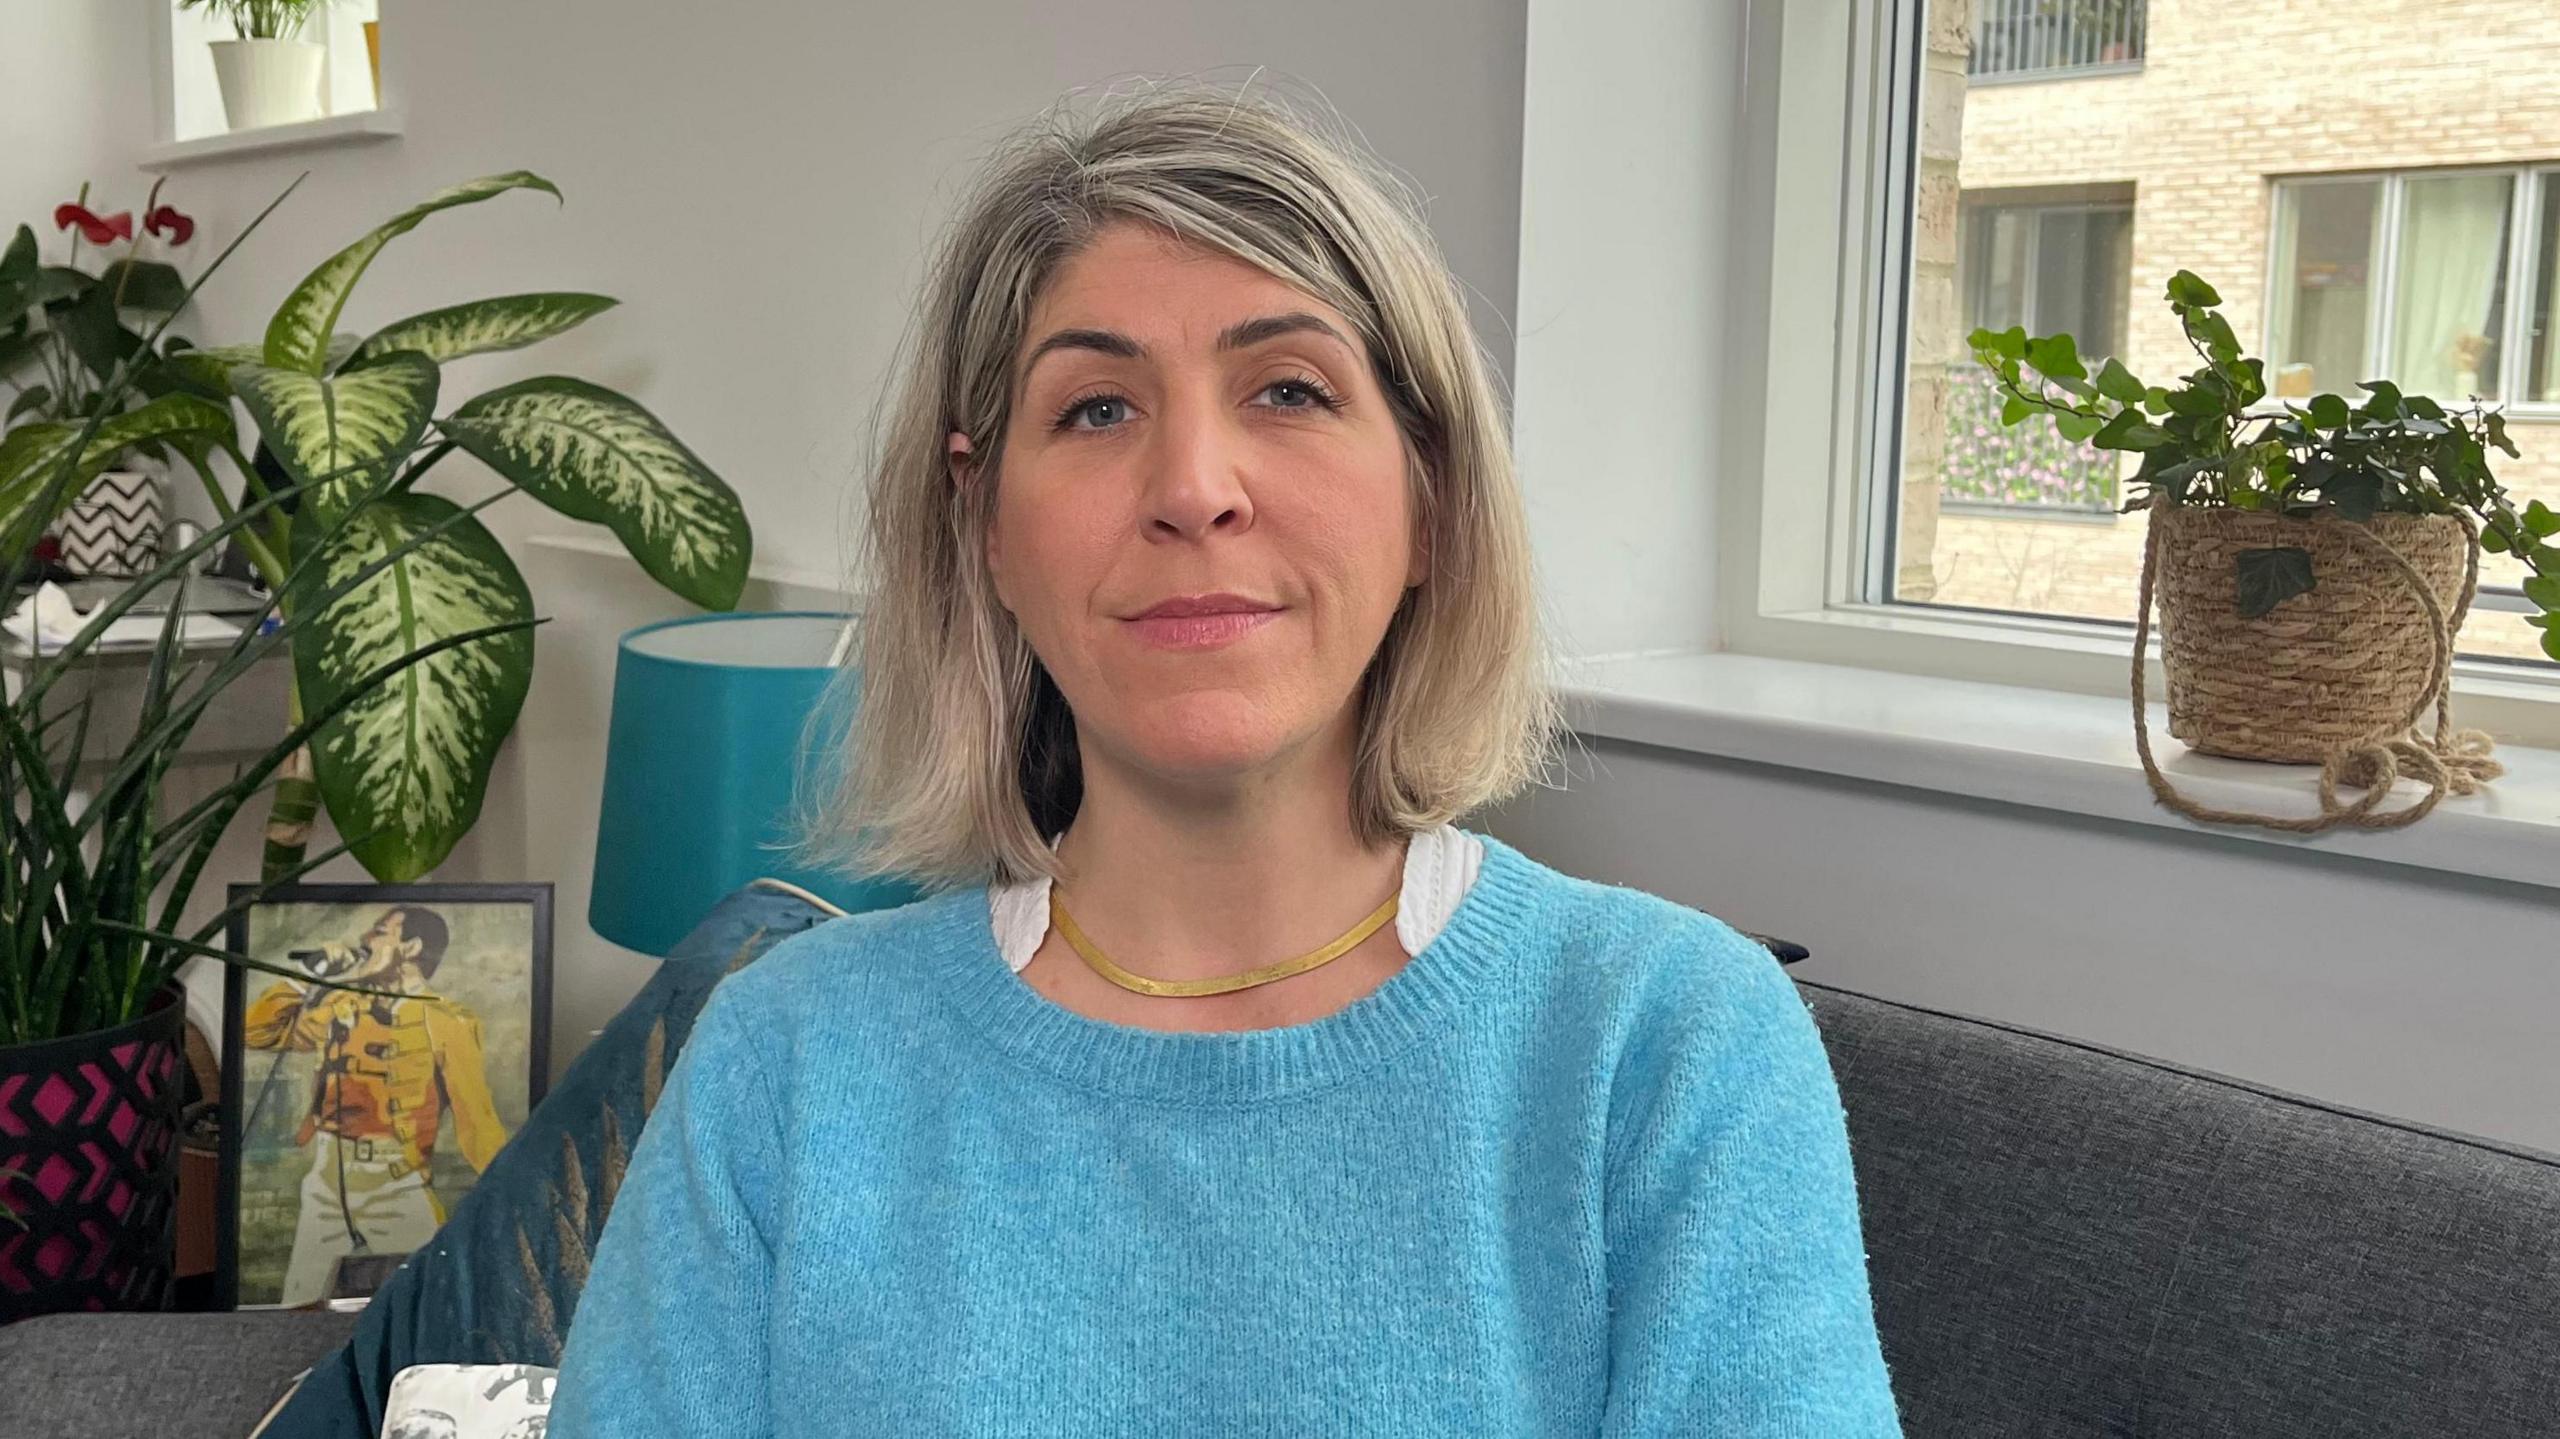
(346, 430)
(31, 457)
(298, 336)
(410, 760)
(212, 365)
(508, 322)
(595, 455)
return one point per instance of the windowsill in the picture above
(355, 127)
(2037, 749)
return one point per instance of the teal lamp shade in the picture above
(700, 763)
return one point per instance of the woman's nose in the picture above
(1195, 480)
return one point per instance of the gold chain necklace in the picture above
(1103, 966)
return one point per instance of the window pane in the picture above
(2450, 275)
(2354, 231)
(1995, 277)
(2325, 239)
(2082, 260)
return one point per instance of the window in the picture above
(2428, 310)
(2044, 39)
(192, 98)
(2355, 232)
(2046, 266)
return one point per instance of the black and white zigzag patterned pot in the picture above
(114, 527)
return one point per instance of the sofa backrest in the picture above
(2065, 1239)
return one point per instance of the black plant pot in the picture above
(91, 1123)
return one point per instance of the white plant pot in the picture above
(114, 527)
(268, 82)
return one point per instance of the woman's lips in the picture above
(1199, 632)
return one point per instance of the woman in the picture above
(1222, 1085)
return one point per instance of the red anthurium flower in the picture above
(118, 226)
(167, 218)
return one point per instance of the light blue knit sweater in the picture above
(1579, 1168)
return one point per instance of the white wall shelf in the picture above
(359, 127)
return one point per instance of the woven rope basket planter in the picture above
(2337, 676)
(2351, 662)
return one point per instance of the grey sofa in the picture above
(2064, 1240)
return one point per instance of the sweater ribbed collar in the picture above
(1423, 999)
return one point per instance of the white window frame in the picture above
(1820, 267)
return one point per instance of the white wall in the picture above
(1633, 114)
(2402, 991)
(759, 186)
(64, 125)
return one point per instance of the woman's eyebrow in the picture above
(1240, 335)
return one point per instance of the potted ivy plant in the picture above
(268, 74)
(2312, 561)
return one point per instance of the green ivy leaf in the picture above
(2014, 409)
(2057, 356)
(2496, 426)
(2541, 521)
(2126, 430)
(2075, 426)
(2384, 403)
(2544, 590)
(2118, 384)
(2330, 412)
(2356, 493)
(2187, 288)
(2269, 577)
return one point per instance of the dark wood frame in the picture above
(536, 895)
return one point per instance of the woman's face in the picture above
(1184, 424)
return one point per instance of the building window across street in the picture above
(2066, 157)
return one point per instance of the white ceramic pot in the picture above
(268, 82)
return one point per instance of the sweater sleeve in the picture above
(1737, 1268)
(669, 1334)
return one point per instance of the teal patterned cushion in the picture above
(501, 1278)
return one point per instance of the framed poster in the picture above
(353, 1122)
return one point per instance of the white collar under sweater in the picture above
(1439, 864)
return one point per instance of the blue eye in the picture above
(1317, 395)
(1082, 403)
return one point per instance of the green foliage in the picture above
(2211, 440)
(261, 19)
(64, 331)
(407, 624)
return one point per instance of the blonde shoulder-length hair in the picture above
(953, 754)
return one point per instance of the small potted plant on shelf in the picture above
(2313, 561)
(269, 75)
(64, 330)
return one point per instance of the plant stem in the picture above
(295, 800)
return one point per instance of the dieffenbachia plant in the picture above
(353, 424)
(2209, 441)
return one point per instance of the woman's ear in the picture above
(963, 464)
